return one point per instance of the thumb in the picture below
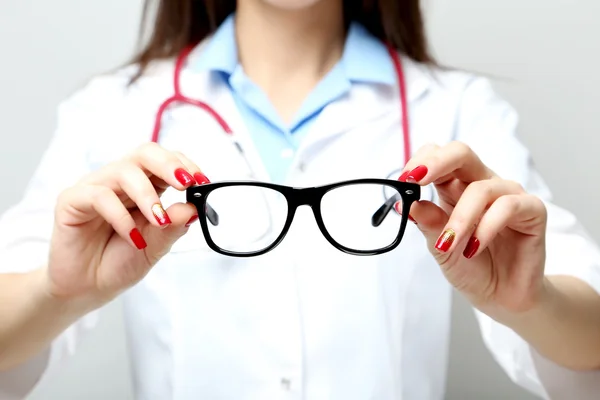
(181, 215)
(431, 220)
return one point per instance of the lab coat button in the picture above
(286, 384)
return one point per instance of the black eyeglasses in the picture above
(247, 218)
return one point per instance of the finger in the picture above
(164, 165)
(183, 216)
(428, 216)
(201, 179)
(89, 201)
(194, 169)
(521, 213)
(430, 219)
(420, 154)
(450, 192)
(477, 197)
(137, 186)
(455, 159)
(161, 241)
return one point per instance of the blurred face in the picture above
(292, 4)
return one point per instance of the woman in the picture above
(312, 97)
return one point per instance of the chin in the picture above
(292, 4)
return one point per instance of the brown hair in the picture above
(181, 23)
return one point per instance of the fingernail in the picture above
(191, 221)
(472, 247)
(398, 208)
(445, 241)
(137, 239)
(201, 179)
(404, 176)
(417, 174)
(161, 215)
(184, 177)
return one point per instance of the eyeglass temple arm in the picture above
(211, 215)
(383, 211)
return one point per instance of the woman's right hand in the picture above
(111, 228)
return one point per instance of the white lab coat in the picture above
(304, 321)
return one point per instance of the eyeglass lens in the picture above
(251, 218)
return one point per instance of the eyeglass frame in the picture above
(309, 196)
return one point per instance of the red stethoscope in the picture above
(179, 97)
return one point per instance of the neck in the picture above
(289, 50)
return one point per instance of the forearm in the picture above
(29, 318)
(565, 327)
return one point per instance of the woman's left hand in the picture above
(488, 235)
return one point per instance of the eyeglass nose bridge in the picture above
(305, 197)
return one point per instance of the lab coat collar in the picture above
(417, 75)
(364, 102)
(211, 89)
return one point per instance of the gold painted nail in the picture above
(445, 241)
(161, 215)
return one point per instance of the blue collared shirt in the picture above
(365, 59)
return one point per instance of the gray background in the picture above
(545, 53)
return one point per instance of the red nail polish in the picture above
(398, 207)
(191, 221)
(137, 239)
(445, 241)
(161, 215)
(472, 247)
(184, 177)
(417, 174)
(404, 176)
(201, 179)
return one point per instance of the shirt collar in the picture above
(220, 53)
(365, 58)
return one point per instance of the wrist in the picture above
(543, 310)
(70, 307)
(31, 317)
(540, 307)
(563, 325)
